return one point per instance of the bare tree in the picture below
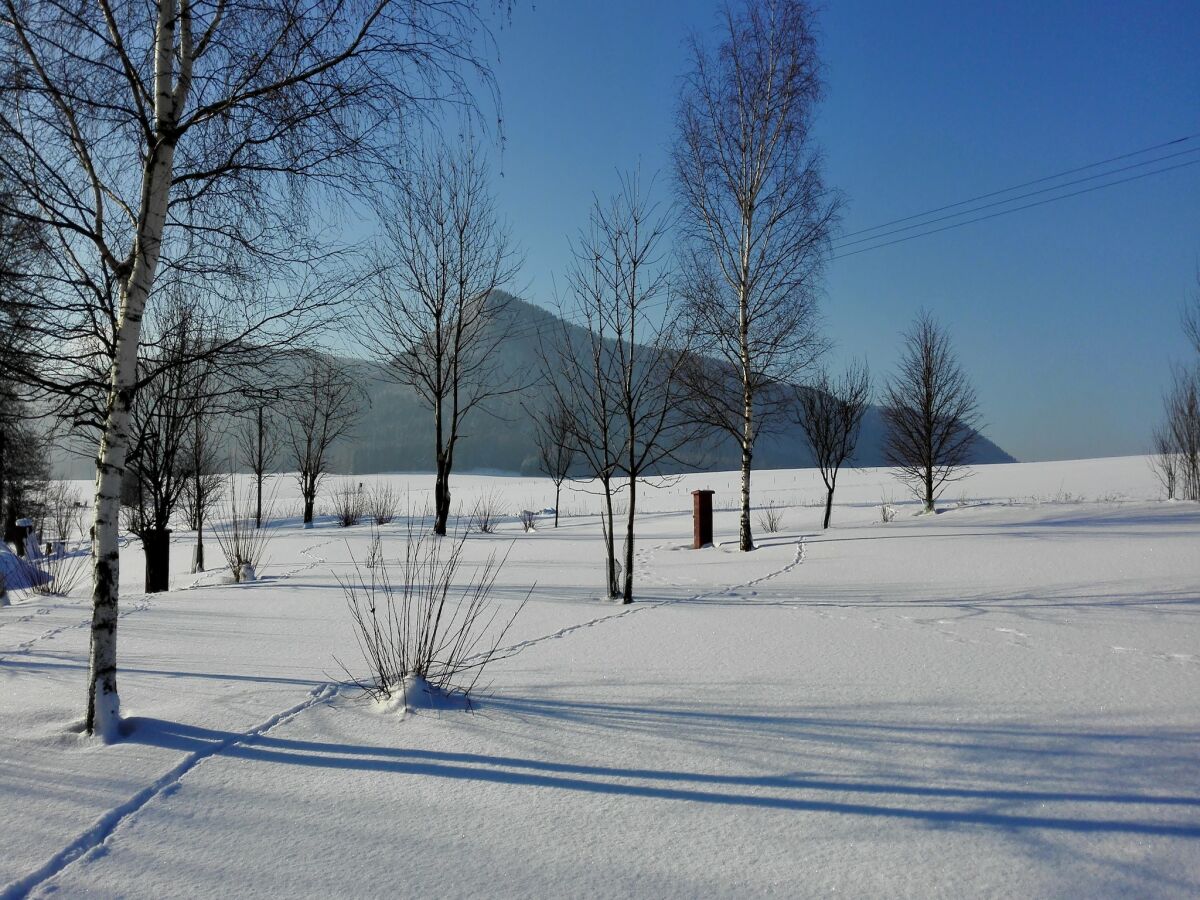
(624, 246)
(930, 412)
(556, 455)
(1191, 317)
(258, 445)
(1182, 428)
(436, 323)
(831, 411)
(163, 418)
(1176, 448)
(631, 364)
(1165, 461)
(178, 136)
(23, 456)
(757, 218)
(203, 485)
(578, 368)
(326, 406)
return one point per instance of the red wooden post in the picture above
(702, 534)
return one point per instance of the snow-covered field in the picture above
(1002, 699)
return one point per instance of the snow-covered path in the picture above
(999, 700)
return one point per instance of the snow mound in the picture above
(418, 694)
(19, 574)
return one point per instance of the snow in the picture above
(1000, 699)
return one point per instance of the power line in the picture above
(1017, 187)
(841, 245)
(536, 329)
(1005, 212)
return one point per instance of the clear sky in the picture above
(1066, 315)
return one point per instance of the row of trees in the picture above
(194, 423)
(159, 169)
(176, 145)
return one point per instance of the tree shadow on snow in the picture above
(937, 805)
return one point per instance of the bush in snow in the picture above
(242, 544)
(528, 519)
(770, 517)
(424, 632)
(61, 570)
(487, 513)
(349, 504)
(887, 512)
(381, 504)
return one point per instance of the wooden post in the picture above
(702, 532)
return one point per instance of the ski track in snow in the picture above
(90, 843)
(87, 844)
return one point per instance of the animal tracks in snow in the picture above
(732, 590)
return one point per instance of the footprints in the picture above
(630, 610)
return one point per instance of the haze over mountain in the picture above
(397, 433)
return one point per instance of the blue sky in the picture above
(1066, 316)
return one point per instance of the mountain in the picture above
(397, 433)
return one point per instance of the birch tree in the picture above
(757, 218)
(436, 322)
(186, 136)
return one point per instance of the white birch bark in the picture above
(104, 705)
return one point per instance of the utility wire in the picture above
(535, 329)
(1017, 187)
(1005, 212)
(842, 245)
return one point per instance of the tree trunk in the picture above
(156, 543)
(627, 595)
(103, 702)
(928, 489)
(557, 490)
(259, 468)
(828, 506)
(198, 557)
(310, 500)
(609, 541)
(441, 496)
(745, 536)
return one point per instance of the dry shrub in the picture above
(486, 517)
(349, 504)
(242, 544)
(420, 627)
(61, 570)
(770, 517)
(382, 503)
